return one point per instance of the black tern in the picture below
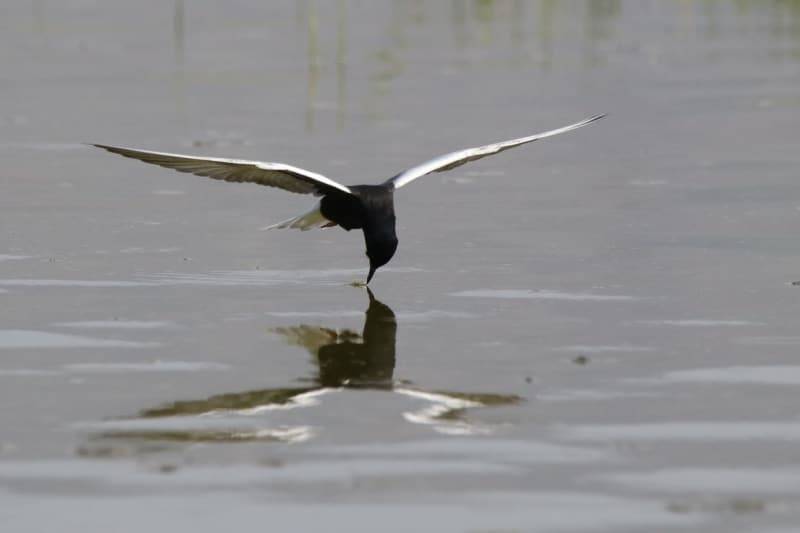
(366, 207)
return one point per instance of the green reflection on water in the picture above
(341, 64)
(343, 359)
(515, 35)
(313, 65)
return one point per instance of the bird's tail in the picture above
(310, 220)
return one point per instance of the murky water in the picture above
(597, 332)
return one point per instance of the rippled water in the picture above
(596, 332)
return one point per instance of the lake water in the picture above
(595, 332)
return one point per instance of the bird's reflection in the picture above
(344, 359)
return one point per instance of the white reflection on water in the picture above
(692, 480)
(19, 338)
(111, 368)
(206, 492)
(588, 348)
(699, 323)
(769, 341)
(767, 375)
(479, 450)
(316, 314)
(71, 283)
(257, 277)
(432, 314)
(116, 324)
(711, 431)
(152, 366)
(25, 372)
(303, 399)
(223, 278)
(7, 257)
(407, 316)
(527, 294)
(435, 415)
(198, 429)
(585, 395)
(48, 146)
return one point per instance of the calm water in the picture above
(597, 332)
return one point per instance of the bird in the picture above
(369, 208)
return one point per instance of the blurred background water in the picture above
(596, 332)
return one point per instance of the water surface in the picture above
(596, 332)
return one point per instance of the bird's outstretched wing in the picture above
(279, 175)
(456, 159)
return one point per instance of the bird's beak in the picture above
(372, 270)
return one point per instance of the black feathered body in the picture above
(371, 209)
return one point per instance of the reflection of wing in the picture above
(456, 159)
(226, 402)
(191, 436)
(343, 359)
(448, 410)
(286, 177)
(312, 338)
(187, 422)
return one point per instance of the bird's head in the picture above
(379, 254)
